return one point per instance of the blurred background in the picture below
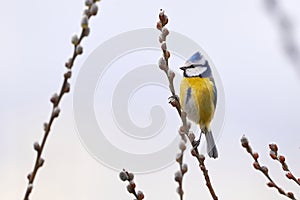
(252, 45)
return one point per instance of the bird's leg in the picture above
(196, 143)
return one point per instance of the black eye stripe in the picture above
(197, 65)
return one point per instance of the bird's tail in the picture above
(211, 145)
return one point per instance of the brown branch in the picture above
(128, 176)
(183, 168)
(202, 166)
(174, 100)
(264, 169)
(281, 159)
(286, 30)
(91, 10)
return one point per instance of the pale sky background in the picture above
(261, 88)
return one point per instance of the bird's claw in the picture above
(196, 143)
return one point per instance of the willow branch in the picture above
(183, 168)
(91, 10)
(286, 30)
(174, 99)
(281, 159)
(264, 169)
(128, 176)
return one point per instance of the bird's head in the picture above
(196, 66)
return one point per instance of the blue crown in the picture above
(195, 58)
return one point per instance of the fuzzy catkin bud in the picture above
(165, 32)
(174, 102)
(161, 14)
(291, 195)
(192, 136)
(123, 176)
(255, 156)
(164, 46)
(75, 39)
(45, 125)
(256, 165)
(140, 195)
(273, 155)
(264, 169)
(159, 25)
(244, 142)
(67, 87)
(202, 167)
(86, 12)
(182, 146)
(54, 99)
(56, 112)
(178, 176)
(132, 184)
(69, 63)
(282, 159)
(130, 189)
(94, 9)
(273, 147)
(86, 31)
(179, 157)
(85, 22)
(130, 176)
(166, 20)
(37, 146)
(168, 54)
(201, 157)
(181, 130)
(271, 184)
(171, 75)
(183, 138)
(79, 50)
(184, 168)
(194, 152)
(29, 176)
(68, 74)
(88, 3)
(162, 17)
(179, 191)
(29, 187)
(290, 175)
(162, 38)
(41, 162)
(162, 64)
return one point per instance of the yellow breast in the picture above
(197, 100)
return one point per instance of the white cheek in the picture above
(195, 71)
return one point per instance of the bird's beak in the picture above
(183, 68)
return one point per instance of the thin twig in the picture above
(264, 169)
(286, 31)
(183, 168)
(174, 100)
(128, 176)
(91, 10)
(281, 159)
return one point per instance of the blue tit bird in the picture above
(198, 97)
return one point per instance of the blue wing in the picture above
(215, 91)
